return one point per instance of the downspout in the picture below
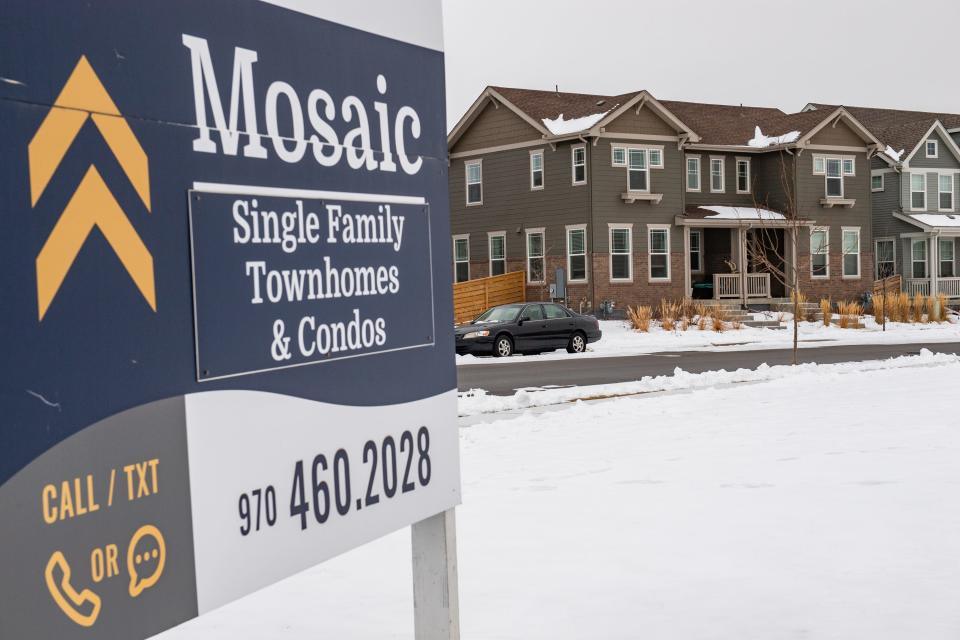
(593, 234)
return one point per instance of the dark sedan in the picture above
(526, 328)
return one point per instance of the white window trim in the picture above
(844, 254)
(737, 165)
(543, 256)
(647, 170)
(543, 170)
(926, 256)
(876, 255)
(827, 176)
(613, 149)
(853, 164)
(650, 164)
(883, 181)
(586, 270)
(723, 176)
(461, 236)
(573, 165)
(490, 236)
(826, 243)
(466, 181)
(936, 148)
(951, 191)
(953, 258)
(651, 228)
(699, 233)
(686, 174)
(924, 191)
(611, 227)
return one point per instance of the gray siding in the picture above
(729, 196)
(645, 122)
(884, 204)
(839, 135)
(610, 182)
(495, 126)
(509, 204)
(944, 160)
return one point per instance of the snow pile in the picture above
(937, 220)
(559, 127)
(896, 155)
(477, 401)
(741, 213)
(760, 141)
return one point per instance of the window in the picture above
(946, 192)
(536, 170)
(918, 255)
(849, 167)
(535, 266)
(498, 253)
(659, 252)
(946, 258)
(554, 312)
(918, 191)
(743, 175)
(619, 158)
(532, 312)
(577, 254)
(716, 175)
(834, 178)
(932, 150)
(656, 158)
(886, 260)
(638, 174)
(621, 254)
(693, 173)
(474, 183)
(851, 253)
(696, 251)
(876, 182)
(818, 169)
(578, 156)
(819, 253)
(461, 258)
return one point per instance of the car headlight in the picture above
(476, 334)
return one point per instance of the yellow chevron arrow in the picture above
(92, 204)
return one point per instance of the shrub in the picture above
(640, 317)
(719, 317)
(850, 313)
(903, 307)
(944, 312)
(930, 306)
(919, 304)
(668, 314)
(878, 306)
(825, 309)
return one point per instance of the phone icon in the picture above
(70, 602)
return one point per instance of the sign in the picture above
(226, 311)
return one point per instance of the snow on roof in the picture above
(896, 155)
(937, 219)
(559, 127)
(740, 213)
(760, 141)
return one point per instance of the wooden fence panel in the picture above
(473, 297)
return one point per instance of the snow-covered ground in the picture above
(817, 503)
(620, 340)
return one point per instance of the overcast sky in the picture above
(756, 52)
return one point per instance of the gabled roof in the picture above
(901, 130)
(561, 114)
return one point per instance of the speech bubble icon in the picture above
(154, 548)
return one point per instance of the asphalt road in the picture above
(504, 379)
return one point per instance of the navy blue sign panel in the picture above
(286, 282)
(224, 251)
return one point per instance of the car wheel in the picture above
(577, 344)
(503, 347)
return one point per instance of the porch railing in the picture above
(914, 286)
(949, 286)
(727, 285)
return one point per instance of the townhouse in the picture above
(916, 187)
(631, 199)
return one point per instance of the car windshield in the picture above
(506, 313)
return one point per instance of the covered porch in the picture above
(737, 253)
(929, 264)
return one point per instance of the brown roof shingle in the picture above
(898, 128)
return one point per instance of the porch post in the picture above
(687, 283)
(742, 262)
(934, 254)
